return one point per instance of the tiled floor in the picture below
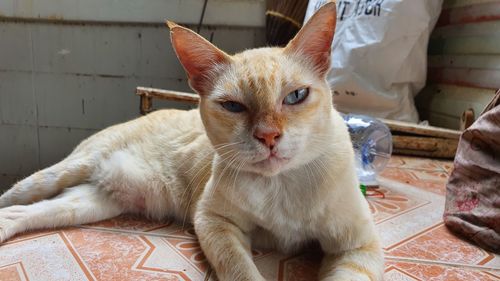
(407, 209)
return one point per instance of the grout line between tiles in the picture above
(413, 236)
(402, 213)
(78, 258)
(402, 270)
(433, 262)
(135, 232)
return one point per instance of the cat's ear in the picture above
(313, 42)
(200, 58)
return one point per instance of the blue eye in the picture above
(233, 106)
(296, 96)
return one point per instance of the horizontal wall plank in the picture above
(447, 4)
(218, 12)
(443, 104)
(465, 61)
(469, 77)
(465, 45)
(477, 12)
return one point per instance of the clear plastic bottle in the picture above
(372, 141)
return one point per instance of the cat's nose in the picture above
(267, 137)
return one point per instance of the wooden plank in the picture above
(168, 95)
(410, 128)
(424, 146)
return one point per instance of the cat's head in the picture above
(265, 110)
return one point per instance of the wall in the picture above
(70, 68)
(464, 61)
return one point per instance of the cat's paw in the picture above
(7, 229)
(10, 222)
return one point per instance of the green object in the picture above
(363, 189)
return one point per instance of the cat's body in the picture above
(265, 162)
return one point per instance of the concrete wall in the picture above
(464, 62)
(62, 79)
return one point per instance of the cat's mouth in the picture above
(272, 164)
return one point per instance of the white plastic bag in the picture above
(379, 55)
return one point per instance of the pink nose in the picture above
(267, 137)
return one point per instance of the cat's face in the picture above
(265, 110)
(269, 109)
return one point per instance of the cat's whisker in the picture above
(308, 170)
(193, 193)
(200, 183)
(238, 170)
(227, 165)
(204, 167)
(209, 153)
(233, 172)
(319, 170)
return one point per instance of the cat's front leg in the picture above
(365, 263)
(226, 247)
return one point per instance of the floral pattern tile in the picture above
(415, 163)
(130, 222)
(14, 271)
(430, 180)
(439, 244)
(407, 209)
(436, 272)
(386, 203)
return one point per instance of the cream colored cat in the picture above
(265, 162)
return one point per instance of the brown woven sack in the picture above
(473, 191)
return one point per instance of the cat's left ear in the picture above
(200, 58)
(313, 42)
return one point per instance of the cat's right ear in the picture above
(314, 40)
(200, 58)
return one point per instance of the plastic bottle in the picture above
(372, 141)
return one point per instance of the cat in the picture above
(266, 161)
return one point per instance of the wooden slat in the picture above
(424, 146)
(410, 128)
(147, 95)
(168, 95)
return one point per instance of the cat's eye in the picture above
(296, 96)
(233, 106)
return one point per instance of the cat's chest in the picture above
(279, 207)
